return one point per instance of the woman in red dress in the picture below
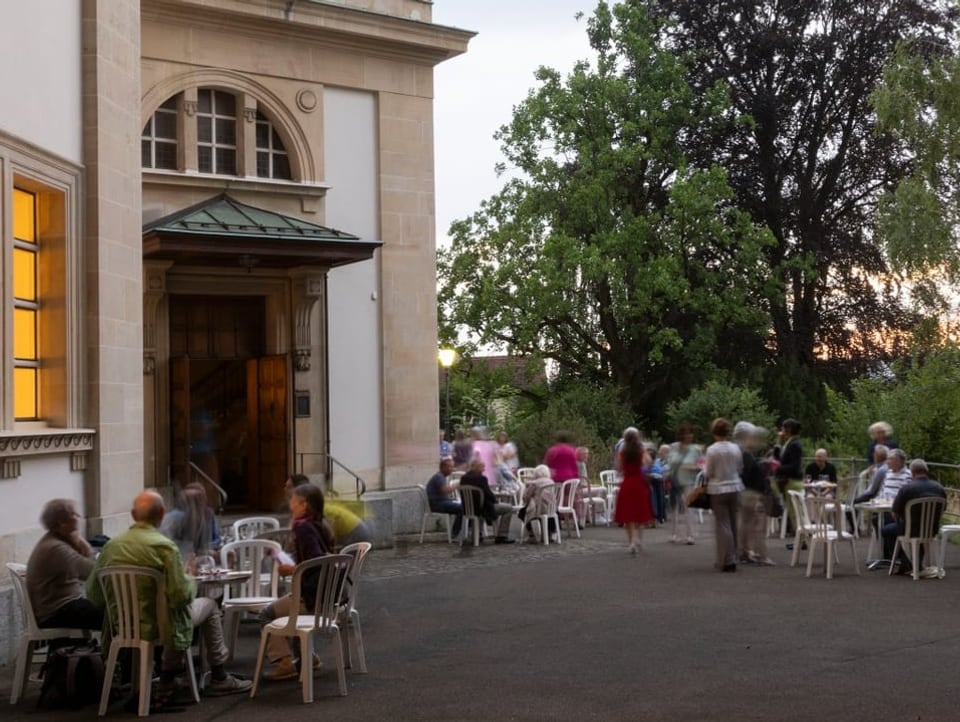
(633, 508)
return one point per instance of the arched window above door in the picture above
(218, 132)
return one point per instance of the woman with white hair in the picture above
(535, 501)
(881, 433)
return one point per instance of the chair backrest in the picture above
(251, 526)
(797, 502)
(545, 499)
(825, 514)
(922, 517)
(331, 573)
(247, 555)
(358, 551)
(424, 499)
(526, 473)
(283, 537)
(472, 499)
(122, 588)
(568, 492)
(19, 574)
(608, 477)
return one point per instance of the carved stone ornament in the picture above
(149, 364)
(307, 100)
(301, 359)
(51, 441)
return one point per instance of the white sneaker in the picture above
(690, 540)
(675, 539)
(930, 573)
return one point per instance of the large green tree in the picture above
(608, 252)
(919, 102)
(810, 165)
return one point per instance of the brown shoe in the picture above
(283, 668)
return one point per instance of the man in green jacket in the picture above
(142, 545)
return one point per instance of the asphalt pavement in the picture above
(584, 631)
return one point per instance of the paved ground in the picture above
(583, 631)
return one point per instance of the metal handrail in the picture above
(220, 490)
(361, 485)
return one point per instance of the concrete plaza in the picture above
(582, 631)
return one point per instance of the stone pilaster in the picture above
(113, 258)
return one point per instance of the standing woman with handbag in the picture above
(633, 500)
(722, 467)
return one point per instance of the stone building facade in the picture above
(218, 250)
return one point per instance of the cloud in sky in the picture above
(476, 92)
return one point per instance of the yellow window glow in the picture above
(24, 216)
(25, 334)
(25, 393)
(24, 274)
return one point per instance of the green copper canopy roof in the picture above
(224, 231)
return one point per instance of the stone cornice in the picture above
(332, 25)
(47, 441)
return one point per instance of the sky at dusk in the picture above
(476, 92)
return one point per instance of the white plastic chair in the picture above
(251, 526)
(595, 499)
(349, 618)
(567, 504)
(610, 478)
(331, 571)
(249, 595)
(30, 632)
(122, 587)
(471, 498)
(805, 527)
(428, 514)
(921, 517)
(828, 530)
(545, 502)
(946, 531)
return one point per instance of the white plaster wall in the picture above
(350, 150)
(40, 78)
(21, 499)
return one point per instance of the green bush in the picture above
(594, 416)
(714, 399)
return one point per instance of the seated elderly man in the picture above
(820, 468)
(919, 487)
(57, 567)
(492, 509)
(142, 545)
(889, 478)
(439, 490)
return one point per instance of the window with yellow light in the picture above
(26, 359)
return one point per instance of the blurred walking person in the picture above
(722, 467)
(753, 498)
(684, 464)
(633, 500)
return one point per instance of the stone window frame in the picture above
(58, 185)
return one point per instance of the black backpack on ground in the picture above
(72, 677)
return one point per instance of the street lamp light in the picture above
(447, 357)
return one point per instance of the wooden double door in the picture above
(228, 415)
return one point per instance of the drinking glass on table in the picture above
(206, 565)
